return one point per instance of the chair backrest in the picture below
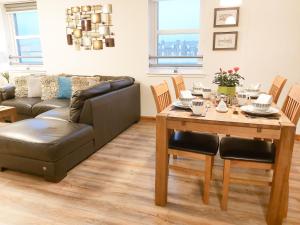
(161, 96)
(178, 83)
(277, 87)
(291, 106)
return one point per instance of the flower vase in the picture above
(228, 91)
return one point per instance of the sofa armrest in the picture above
(7, 92)
(112, 113)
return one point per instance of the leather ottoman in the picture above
(45, 147)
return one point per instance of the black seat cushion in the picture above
(57, 114)
(195, 142)
(44, 139)
(233, 148)
(49, 104)
(23, 105)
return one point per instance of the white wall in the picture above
(269, 43)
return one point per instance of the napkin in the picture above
(255, 87)
(197, 85)
(264, 99)
(186, 94)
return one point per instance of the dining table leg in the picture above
(277, 205)
(162, 161)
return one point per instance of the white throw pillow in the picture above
(34, 87)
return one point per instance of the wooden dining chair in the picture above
(179, 85)
(277, 87)
(254, 154)
(190, 145)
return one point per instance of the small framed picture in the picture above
(225, 40)
(226, 17)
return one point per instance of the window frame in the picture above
(15, 58)
(155, 32)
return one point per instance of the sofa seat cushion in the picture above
(56, 114)
(44, 139)
(23, 105)
(49, 104)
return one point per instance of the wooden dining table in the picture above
(281, 130)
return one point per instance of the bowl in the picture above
(186, 101)
(261, 107)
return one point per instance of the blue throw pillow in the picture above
(64, 87)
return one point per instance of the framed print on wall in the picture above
(225, 40)
(226, 17)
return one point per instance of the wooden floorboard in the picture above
(116, 186)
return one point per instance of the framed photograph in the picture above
(226, 17)
(225, 40)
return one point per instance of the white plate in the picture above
(253, 94)
(180, 105)
(250, 110)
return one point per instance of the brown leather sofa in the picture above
(50, 145)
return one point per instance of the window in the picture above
(25, 34)
(175, 35)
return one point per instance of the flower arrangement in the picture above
(230, 78)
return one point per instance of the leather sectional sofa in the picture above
(48, 144)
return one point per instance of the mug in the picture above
(242, 98)
(198, 107)
(206, 92)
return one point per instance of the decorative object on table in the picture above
(222, 107)
(227, 81)
(225, 40)
(198, 107)
(206, 92)
(89, 27)
(197, 88)
(226, 17)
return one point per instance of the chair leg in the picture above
(286, 201)
(226, 180)
(207, 178)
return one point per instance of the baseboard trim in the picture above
(148, 118)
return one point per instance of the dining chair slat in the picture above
(179, 85)
(277, 87)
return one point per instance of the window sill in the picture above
(27, 68)
(187, 72)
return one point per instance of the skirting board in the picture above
(152, 119)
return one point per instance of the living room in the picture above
(100, 156)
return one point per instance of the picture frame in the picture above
(225, 40)
(226, 17)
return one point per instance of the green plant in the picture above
(230, 78)
(5, 75)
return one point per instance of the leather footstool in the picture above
(45, 147)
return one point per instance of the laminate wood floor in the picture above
(116, 186)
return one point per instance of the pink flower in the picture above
(236, 69)
(230, 71)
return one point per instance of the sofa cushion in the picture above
(34, 87)
(49, 87)
(118, 82)
(79, 98)
(56, 114)
(23, 105)
(64, 87)
(21, 86)
(49, 104)
(7, 92)
(83, 82)
(44, 139)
